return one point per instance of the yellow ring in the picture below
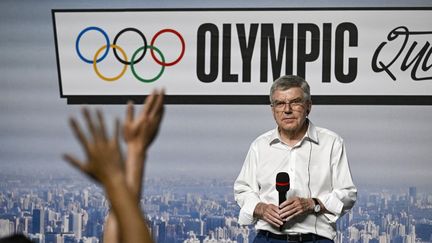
(95, 66)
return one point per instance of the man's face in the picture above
(289, 109)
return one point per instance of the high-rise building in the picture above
(413, 194)
(85, 199)
(69, 239)
(191, 238)
(242, 238)
(214, 222)
(22, 224)
(195, 225)
(65, 223)
(75, 222)
(162, 232)
(383, 238)
(37, 238)
(354, 234)
(48, 196)
(53, 238)
(38, 221)
(6, 227)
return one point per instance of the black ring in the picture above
(145, 45)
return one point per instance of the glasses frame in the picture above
(295, 104)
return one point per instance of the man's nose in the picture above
(287, 108)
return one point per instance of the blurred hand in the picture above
(103, 154)
(140, 132)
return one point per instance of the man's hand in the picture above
(269, 213)
(296, 206)
(104, 158)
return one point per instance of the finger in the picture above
(129, 112)
(90, 123)
(275, 224)
(293, 211)
(285, 209)
(288, 209)
(288, 202)
(274, 220)
(75, 162)
(273, 208)
(162, 108)
(157, 109)
(286, 214)
(117, 138)
(298, 212)
(102, 129)
(148, 103)
(80, 165)
(274, 211)
(284, 204)
(117, 132)
(79, 134)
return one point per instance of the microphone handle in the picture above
(282, 198)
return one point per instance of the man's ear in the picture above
(309, 107)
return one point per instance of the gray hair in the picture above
(290, 81)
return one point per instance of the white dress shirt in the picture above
(317, 166)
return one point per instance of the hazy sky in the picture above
(387, 145)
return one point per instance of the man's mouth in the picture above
(288, 118)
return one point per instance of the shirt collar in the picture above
(311, 135)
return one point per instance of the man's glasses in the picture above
(296, 104)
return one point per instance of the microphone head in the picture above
(282, 182)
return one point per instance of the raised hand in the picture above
(140, 132)
(103, 153)
(104, 163)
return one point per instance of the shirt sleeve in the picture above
(246, 189)
(344, 194)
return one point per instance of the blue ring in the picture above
(79, 38)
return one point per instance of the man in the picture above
(321, 187)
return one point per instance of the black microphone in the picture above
(282, 186)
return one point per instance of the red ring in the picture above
(181, 54)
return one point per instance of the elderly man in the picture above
(315, 159)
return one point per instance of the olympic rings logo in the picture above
(124, 59)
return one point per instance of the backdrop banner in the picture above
(231, 56)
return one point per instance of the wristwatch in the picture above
(317, 206)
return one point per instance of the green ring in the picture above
(133, 65)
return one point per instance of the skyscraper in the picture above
(413, 194)
(6, 227)
(75, 222)
(38, 220)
